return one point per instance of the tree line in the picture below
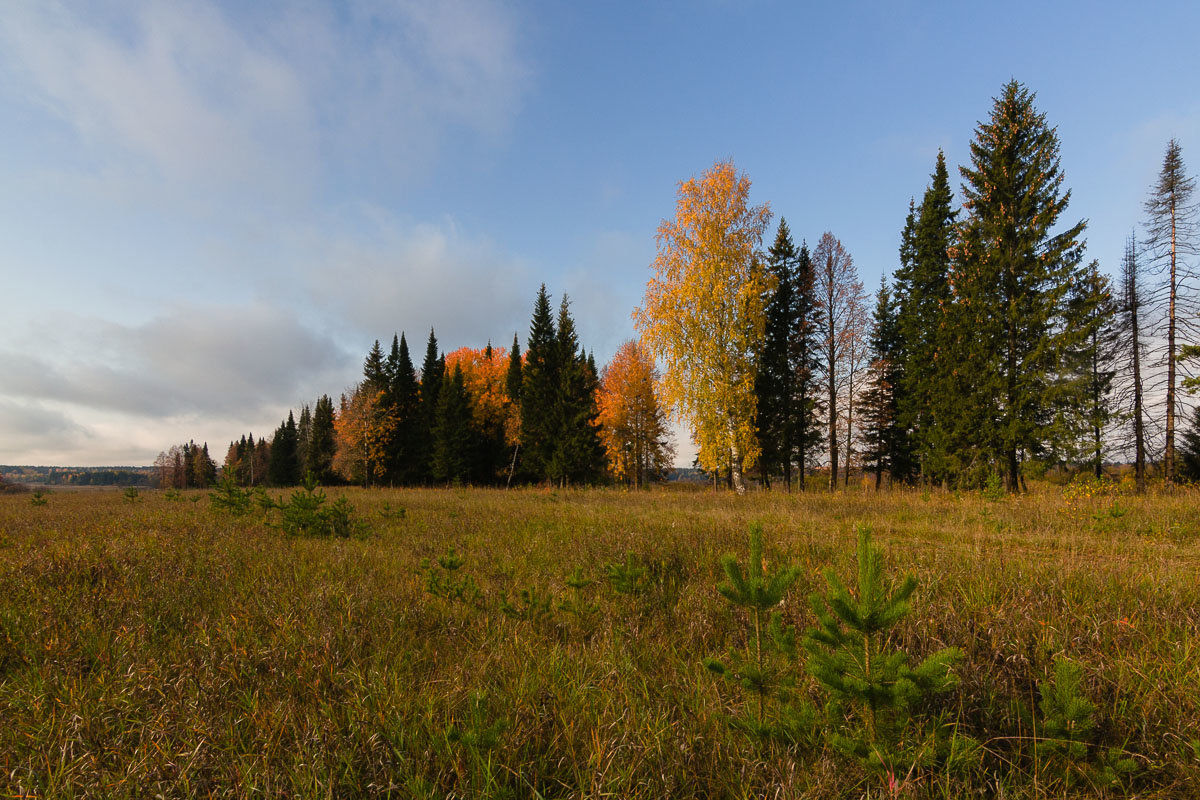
(490, 416)
(993, 351)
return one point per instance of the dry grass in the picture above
(156, 647)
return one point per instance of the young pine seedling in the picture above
(579, 606)
(627, 578)
(850, 654)
(1068, 733)
(759, 672)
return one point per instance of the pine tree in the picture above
(1015, 275)
(776, 377)
(1189, 450)
(851, 654)
(1171, 238)
(433, 370)
(806, 405)
(540, 382)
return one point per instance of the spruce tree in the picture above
(775, 380)
(806, 434)
(375, 371)
(1094, 358)
(284, 469)
(540, 381)
(323, 442)
(927, 397)
(1189, 450)
(452, 434)
(433, 369)
(304, 437)
(884, 438)
(405, 463)
(1131, 333)
(1014, 279)
(575, 448)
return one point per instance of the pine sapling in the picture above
(579, 606)
(760, 674)
(627, 578)
(39, 498)
(1068, 732)
(849, 653)
(445, 583)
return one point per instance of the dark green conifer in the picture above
(405, 464)
(1014, 279)
(884, 438)
(807, 407)
(323, 442)
(452, 434)
(433, 370)
(575, 449)
(284, 469)
(540, 381)
(775, 380)
(375, 372)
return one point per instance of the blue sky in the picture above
(208, 211)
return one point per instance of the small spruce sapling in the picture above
(39, 498)
(760, 674)
(132, 495)
(530, 605)
(1068, 732)
(849, 653)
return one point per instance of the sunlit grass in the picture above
(158, 647)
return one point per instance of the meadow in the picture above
(151, 645)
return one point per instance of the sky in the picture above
(210, 210)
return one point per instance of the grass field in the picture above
(157, 647)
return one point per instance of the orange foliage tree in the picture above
(633, 423)
(362, 431)
(494, 415)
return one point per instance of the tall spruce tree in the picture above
(1015, 275)
(284, 468)
(1095, 358)
(540, 382)
(375, 371)
(884, 437)
(775, 381)
(323, 442)
(1131, 334)
(404, 393)
(806, 405)
(453, 439)
(433, 369)
(927, 398)
(575, 453)
(304, 437)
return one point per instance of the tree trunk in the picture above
(735, 459)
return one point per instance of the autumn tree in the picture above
(704, 313)
(839, 295)
(1172, 239)
(492, 417)
(633, 422)
(363, 431)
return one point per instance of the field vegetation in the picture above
(537, 643)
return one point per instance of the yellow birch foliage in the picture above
(633, 424)
(705, 311)
(362, 431)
